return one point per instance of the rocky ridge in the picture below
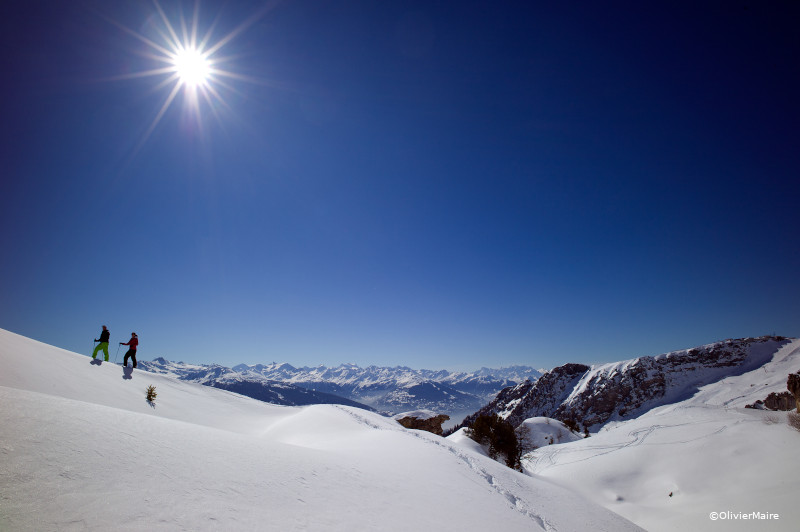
(594, 396)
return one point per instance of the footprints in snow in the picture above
(494, 483)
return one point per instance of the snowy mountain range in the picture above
(594, 396)
(386, 389)
(245, 383)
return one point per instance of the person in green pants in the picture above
(104, 336)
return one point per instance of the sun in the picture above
(188, 61)
(192, 67)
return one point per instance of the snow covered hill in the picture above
(387, 389)
(543, 431)
(82, 449)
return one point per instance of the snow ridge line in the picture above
(516, 503)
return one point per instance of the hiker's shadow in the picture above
(127, 373)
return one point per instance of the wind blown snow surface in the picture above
(82, 449)
(703, 463)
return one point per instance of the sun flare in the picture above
(189, 61)
(192, 67)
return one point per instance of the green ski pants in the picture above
(104, 347)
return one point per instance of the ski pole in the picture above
(115, 356)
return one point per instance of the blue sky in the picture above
(431, 184)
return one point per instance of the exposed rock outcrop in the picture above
(775, 401)
(431, 424)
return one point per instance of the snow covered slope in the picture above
(670, 468)
(82, 449)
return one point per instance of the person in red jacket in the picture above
(133, 343)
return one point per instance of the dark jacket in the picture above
(104, 336)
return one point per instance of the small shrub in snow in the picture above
(151, 394)
(770, 419)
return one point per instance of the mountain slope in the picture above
(623, 390)
(82, 449)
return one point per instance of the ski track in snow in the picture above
(548, 458)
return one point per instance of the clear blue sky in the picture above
(431, 184)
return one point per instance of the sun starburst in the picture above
(192, 67)
(188, 65)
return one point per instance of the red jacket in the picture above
(133, 343)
